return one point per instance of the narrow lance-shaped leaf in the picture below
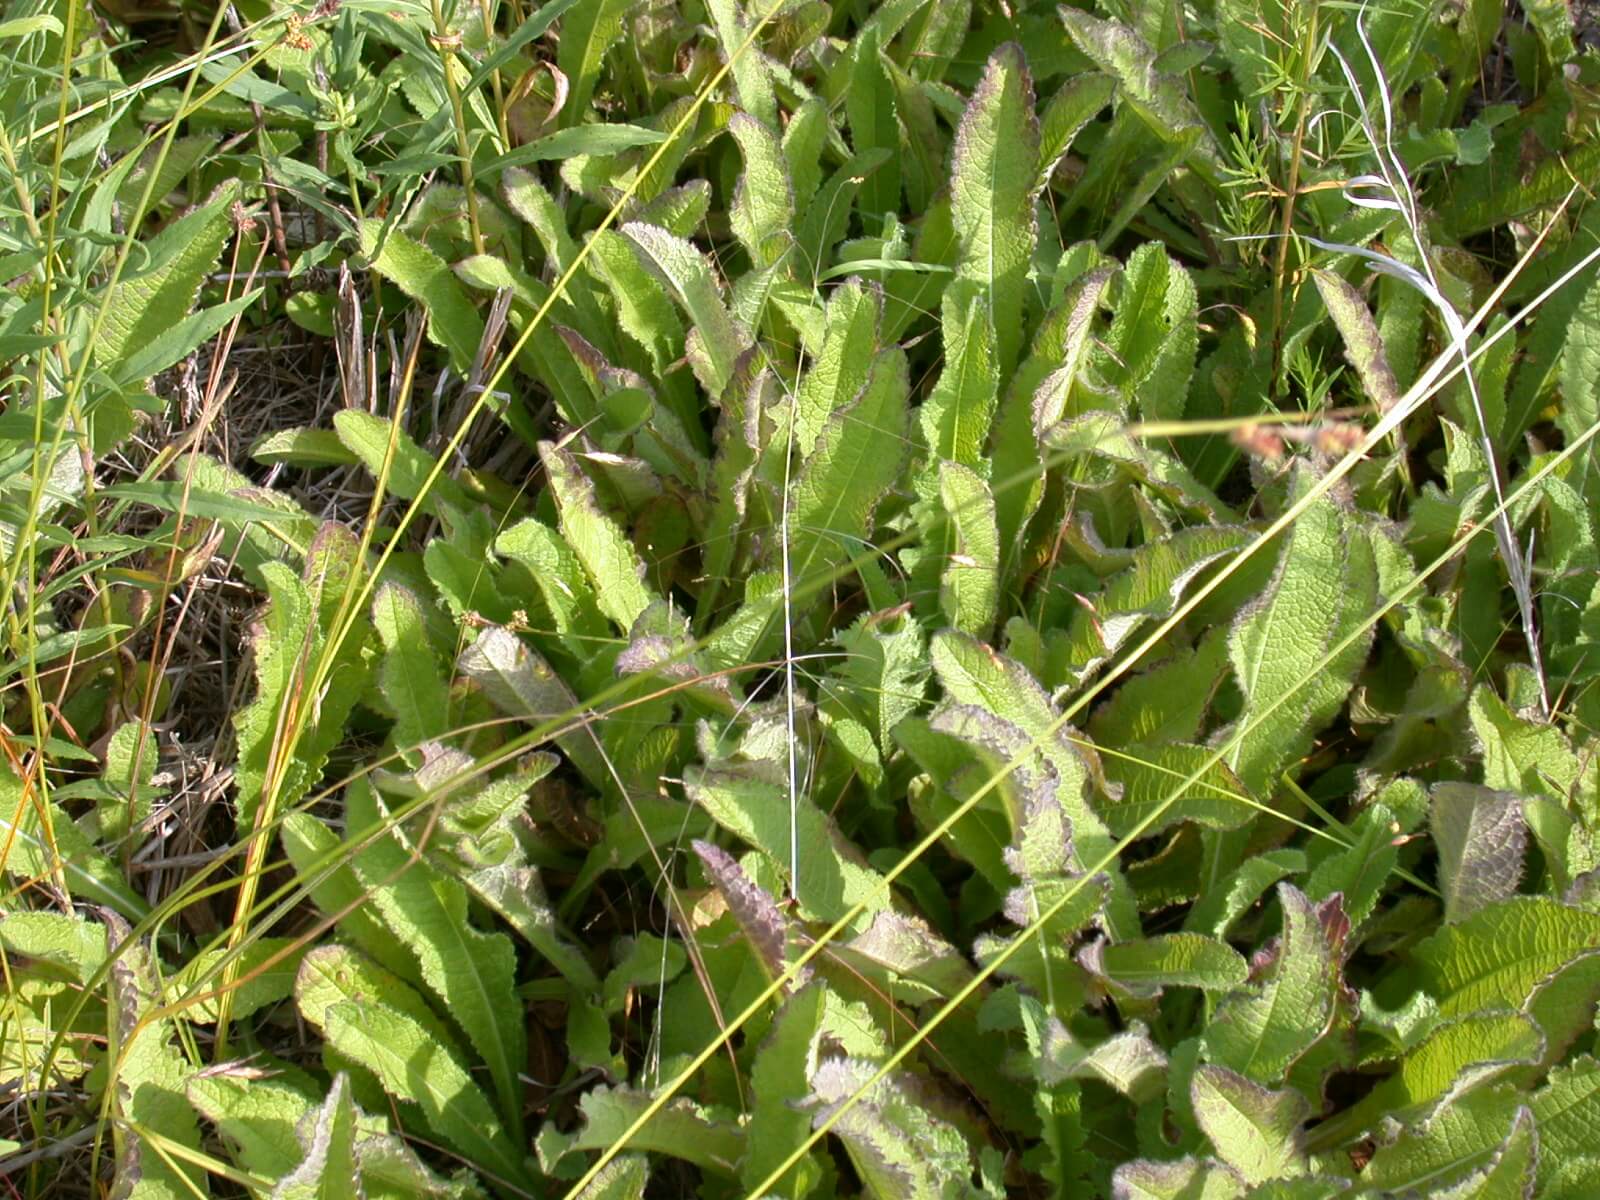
(752, 77)
(421, 274)
(1363, 345)
(1325, 585)
(870, 110)
(1035, 399)
(763, 924)
(1160, 100)
(472, 973)
(1064, 117)
(762, 212)
(1580, 374)
(602, 547)
(1261, 1030)
(838, 373)
(1150, 346)
(520, 683)
(588, 30)
(145, 304)
(778, 1079)
(413, 1067)
(329, 1168)
(854, 462)
(716, 340)
(1144, 966)
(680, 1129)
(897, 1144)
(957, 414)
(969, 589)
(993, 178)
(1455, 1150)
(409, 677)
(757, 810)
(147, 1080)
(1145, 775)
(1497, 957)
(973, 673)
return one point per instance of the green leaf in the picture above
(558, 574)
(301, 446)
(321, 861)
(1566, 1110)
(778, 1079)
(1324, 587)
(147, 1084)
(1363, 345)
(1455, 1056)
(1037, 397)
(840, 370)
(1148, 590)
(73, 943)
(993, 179)
(257, 1117)
(471, 973)
(266, 975)
(143, 307)
(1261, 1030)
(898, 1146)
(754, 806)
(1180, 1179)
(1452, 1144)
(1064, 117)
(1361, 872)
(1150, 347)
(1147, 965)
(973, 674)
(521, 684)
(680, 1129)
(177, 342)
(1161, 101)
(957, 414)
(1255, 1131)
(870, 111)
(752, 77)
(588, 31)
(717, 341)
(421, 274)
(285, 648)
(884, 673)
(1496, 957)
(762, 212)
(598, 139)
(370, 437)
(763, 926)
(1520, 755)
(34, 855)
(600, 544)
(1481, 836)
(1145, 777)
(329, 1168)
(1580, 369)
(854, 462)
(969, 587)
(410, 676)
(413, 1067)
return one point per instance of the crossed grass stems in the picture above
(254, 915)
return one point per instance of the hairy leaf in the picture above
(993, 178)
(1261, 1030)
(1481, 836)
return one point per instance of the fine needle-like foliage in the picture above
(788, 598)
